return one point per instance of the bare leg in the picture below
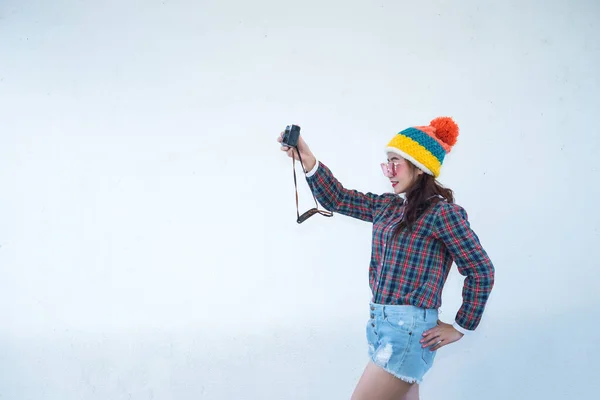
(413, 393)
(377, 384)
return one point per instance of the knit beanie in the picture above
(426, 146)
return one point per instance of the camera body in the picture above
(291, 135)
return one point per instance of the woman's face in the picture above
(401, 174)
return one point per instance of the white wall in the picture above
(148, 244)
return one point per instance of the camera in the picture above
(291, 135)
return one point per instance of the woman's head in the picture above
(415, 156)
(422, 190)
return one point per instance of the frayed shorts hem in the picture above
(406, 379)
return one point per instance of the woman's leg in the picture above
(413, 393)
(377, 384)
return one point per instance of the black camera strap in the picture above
(312, 211)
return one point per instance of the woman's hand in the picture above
(440, 336)
(308, 159)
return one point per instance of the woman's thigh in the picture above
(377, 384)
(413, 393)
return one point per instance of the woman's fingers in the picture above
(440, 344)
(431, 341)
(440, 336)
(433, 331)
(431, 337)
(291, 152)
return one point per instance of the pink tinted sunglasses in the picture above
(390, 169)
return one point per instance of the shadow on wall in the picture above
(536, 358)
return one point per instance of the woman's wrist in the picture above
(309, 163)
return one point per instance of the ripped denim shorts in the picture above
(394, 333)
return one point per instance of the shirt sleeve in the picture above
(461, 329)
(335, 198)
(313, 170)
(453, 229)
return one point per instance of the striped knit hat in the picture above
(426, 146)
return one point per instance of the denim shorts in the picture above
(394, 333)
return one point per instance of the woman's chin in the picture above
(397, 188)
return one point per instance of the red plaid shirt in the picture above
(413, 268)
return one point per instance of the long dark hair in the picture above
(422, 194)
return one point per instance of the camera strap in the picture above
(312, 211)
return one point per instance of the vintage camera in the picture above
(291, 135)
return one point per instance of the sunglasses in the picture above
(306, 215)
(390, 169)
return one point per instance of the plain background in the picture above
(148, 243)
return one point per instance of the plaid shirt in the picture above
(413, 268)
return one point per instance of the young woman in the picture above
(416, 238)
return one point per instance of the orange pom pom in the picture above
(446, 130)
